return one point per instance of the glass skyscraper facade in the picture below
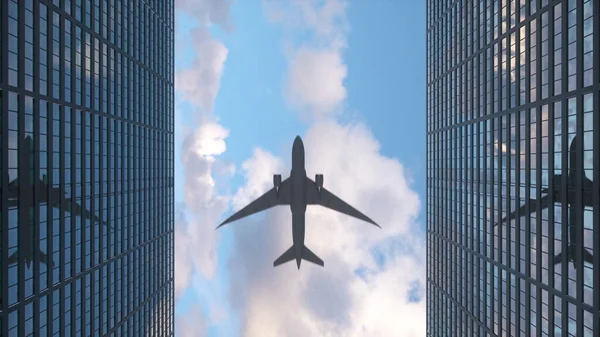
(86, 223)
(513, 153)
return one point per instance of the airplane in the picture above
(575, 213)
(21, 194)
(298, 191)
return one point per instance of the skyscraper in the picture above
(513, 153)
(86, 102)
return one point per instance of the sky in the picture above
(349, 78)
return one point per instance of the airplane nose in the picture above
(298, 142)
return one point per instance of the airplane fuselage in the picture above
(298, 196)
(577, 203)
(577, 200)
(576, 206)
(579, 194)
(25, 205)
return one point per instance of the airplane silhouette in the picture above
(575, 213)
(21, 194)
(298, 191)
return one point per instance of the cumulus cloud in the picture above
(199, 151)
(200, 83)
(201, 144)
(334, 300)
(324, 20)
(254, 170)
(316, 80)
(316, 71)
(193, 324)
(365, 286)
(196, 239)
(183, 263)
(208, 12)
(372, 276)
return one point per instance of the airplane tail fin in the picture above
(290, 255)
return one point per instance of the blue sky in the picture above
(385, 60)
(386, 81)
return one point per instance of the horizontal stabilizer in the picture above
(14, 258)
(285, 257)
(290, 255)
(44, 258)
(587, 256)
(309, 256)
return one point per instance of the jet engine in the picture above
(319, 181)
(276, 181)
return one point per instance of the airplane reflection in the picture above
(21, 194)
(576, 208)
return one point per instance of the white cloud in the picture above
(208, 12)
(332, 301)
(183, 263)
(335, 300)
(192, 324)
(200, 83)
(202, 144)
(199, 151)
(325, 20)
(316, 80)
(211, 293)
(258, 171)
(196, 239)
(210, 140)
(314, 301)
(316, 70)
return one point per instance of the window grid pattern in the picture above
(87, 132)
(513, 96)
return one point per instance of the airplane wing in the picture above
(12, 190)
(329, 200)
(588, 257)
(14, 258)
(44, 258)
(78, 210)
(265, 201)
(13, 184)
(532, 203)
(41, 258)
